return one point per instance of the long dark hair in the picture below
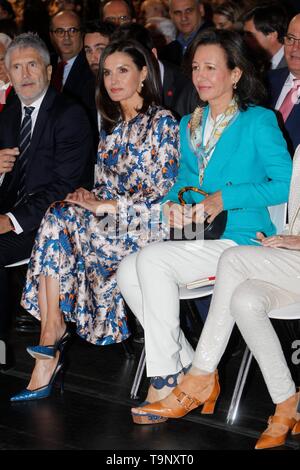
(110, 110)
(250, 89)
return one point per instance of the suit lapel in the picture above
(278, 84)
(12, 138)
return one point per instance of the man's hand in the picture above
(7, 159)
(5, 224)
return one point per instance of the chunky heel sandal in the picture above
(187, 402)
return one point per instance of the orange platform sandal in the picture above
(193, 391)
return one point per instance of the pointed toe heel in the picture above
(57, 380)
(267, 441)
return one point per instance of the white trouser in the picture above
(149, 282)
(251, 281)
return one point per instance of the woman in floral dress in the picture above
(81, 241)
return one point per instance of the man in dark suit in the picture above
(264, 28)
(285, 87)
(71, 72)
(45, 143)
(188, 17)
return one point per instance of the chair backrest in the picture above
(278, 216)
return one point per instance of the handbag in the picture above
(207, 231)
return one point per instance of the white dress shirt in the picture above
(67, 69)
(276, 59)
(36, 104)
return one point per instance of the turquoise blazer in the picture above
(250, 165)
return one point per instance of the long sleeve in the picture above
(272, 153)
(138, 165)
(185, 169)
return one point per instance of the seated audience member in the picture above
(117, 11)
(151, 8)
(72, 272)
(233, 150)
(285, 87)
(227, 16)
(71, 72)
(265, 27)
(189, 19)
(250, 282)
(96, 37)
(162, 28)
(172, 79)
(45, 145)
(7, 18)
(6, 10)
(6, 89)
(59, 5)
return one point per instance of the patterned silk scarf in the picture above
(195, 129)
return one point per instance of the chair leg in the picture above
(239, 386)
(129, 350)
(138, 375)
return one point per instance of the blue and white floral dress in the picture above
(137, 165)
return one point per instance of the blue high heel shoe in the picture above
(49, 352)
(158, 383)
(57, 378)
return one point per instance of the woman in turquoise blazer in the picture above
(233, 150)
(250, 165)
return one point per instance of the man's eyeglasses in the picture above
(60, 32)
(291, 40)
(117, 19)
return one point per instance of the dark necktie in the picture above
(58, 74)
(25, 137)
